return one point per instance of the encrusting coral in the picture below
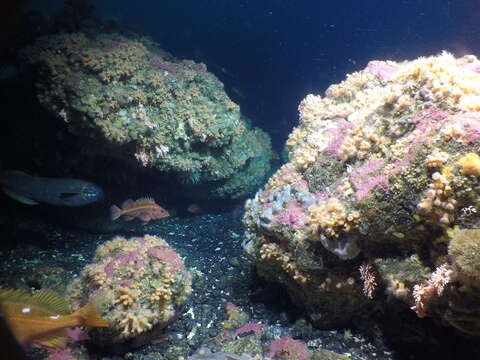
(128, 99)
(382, 168)
(139, 284)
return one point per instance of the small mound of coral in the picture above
(138, 284)
(382, 169)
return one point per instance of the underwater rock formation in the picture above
(383, 172)
(138, 284)
(128, 99)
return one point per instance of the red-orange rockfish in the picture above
(145, 209)
(41, 319)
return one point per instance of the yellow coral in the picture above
(397, 289)
(133, 324)
(436, 159)
(439, 203)
(164, 292)
(126, 297)
(274, 252)
(470, 164)
(332, 217)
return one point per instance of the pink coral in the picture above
(364, 182)
(469, 123)
(166, 255)
(61, 354)
(161, 65)
(381, 69)
(426, 121)
(366, 169)
(122, 260)
(431, 119)
(288, 349)
(229, 306)
(301, 185)
(293, 216)
(365, 188)
(338, 134)
(76, 334)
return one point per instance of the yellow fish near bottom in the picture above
(40, 319)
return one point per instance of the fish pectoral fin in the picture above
(145, 217)
(56, 339)
(18, 197)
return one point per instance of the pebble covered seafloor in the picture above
(44, 255)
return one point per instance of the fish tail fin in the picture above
(115, 212)
(89, 317)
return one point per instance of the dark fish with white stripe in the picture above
(32, 190)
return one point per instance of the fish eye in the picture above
(86, 192)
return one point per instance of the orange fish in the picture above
(145, 209)
(41, 319)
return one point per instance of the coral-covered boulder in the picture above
(138, 284)
(128, 99)
(382, 169)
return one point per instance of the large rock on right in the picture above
(381, 185)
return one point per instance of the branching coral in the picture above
(133, 325)
(439, 204)
(433, 288)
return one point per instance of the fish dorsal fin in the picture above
(126, 203)
(148, 198)
(52, 301)
(44, 302)
(18, 197)
(15, 296)
(146, 201)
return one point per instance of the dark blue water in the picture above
(272, 53)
